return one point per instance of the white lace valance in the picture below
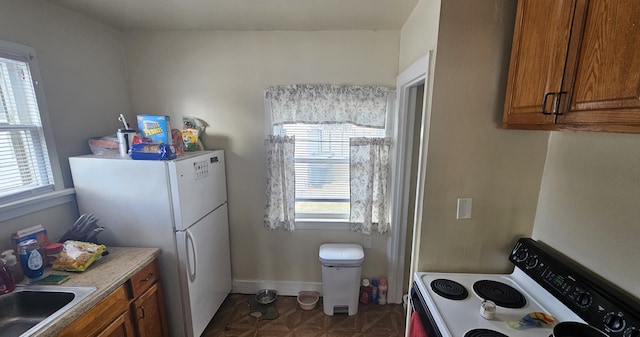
(326, 103)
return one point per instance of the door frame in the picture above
(413, 76)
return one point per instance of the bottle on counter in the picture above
(7, 284)
(374, 291)
(365, 291)
(12, 262)
(31, 260)
(382, 291)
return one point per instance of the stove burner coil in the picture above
(449, 289)
(483, 333)
(501, 294)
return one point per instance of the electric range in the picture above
(543, 280)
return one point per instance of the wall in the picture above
(83, 75)
(468, 154)
(588, 205)
(419, 34)
(220, 77)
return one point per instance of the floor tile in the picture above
(233, 320)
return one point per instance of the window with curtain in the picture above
(25, 168)
(322, 122)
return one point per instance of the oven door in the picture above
(419, 305)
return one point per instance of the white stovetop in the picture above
(455, 317)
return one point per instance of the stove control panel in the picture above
(597, 301)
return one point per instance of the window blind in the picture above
(24, 162)
(322, 159)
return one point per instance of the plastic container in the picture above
(374, 291)
(382, 291)
(12, 262)
(365, 291)
(53, 252)
(31, 260)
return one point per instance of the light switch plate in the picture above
(464, 208)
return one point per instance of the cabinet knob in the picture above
(141, 309)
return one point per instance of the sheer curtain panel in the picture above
(369, 181)
(280, 193)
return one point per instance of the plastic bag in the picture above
(533, 320)
(78, 255)
(152, 151)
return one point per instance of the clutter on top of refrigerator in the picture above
(192, 131)
(157, 129)
(153, 151)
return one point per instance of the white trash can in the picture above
(341, 268)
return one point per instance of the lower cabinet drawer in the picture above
(99, 317)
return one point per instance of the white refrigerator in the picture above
(179, 206)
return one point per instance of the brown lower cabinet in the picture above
(135, 309)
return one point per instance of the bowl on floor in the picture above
(308, 299)
(266, 296)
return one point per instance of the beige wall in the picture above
(419, 34)
(220, 77)
(469, 155)
(588, 206)
(83, 75)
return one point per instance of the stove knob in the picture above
(632, 332)
(522, 255)
(532, 262)
(583, 299)
(614, 321)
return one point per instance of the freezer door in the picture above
(205, 269)
(198, 186)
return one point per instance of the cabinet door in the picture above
(603, 72)
(120, 327)
(94, 321)
(538, 55)
(149, 313)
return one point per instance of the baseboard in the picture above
(284, 288)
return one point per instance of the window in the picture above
(328, 157)
(25, 166)
(322, 167)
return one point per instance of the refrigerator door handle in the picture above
(192, 272)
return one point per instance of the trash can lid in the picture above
(341, 254)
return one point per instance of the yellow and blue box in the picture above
(155, 128)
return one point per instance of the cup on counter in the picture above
(488, 309)
(125, 139)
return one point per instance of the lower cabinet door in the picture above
(150, 317)
(120, 327)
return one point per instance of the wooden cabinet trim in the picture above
(100, 316)
(120, 327)
(600, 71)
(145, 278)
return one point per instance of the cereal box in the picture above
(155, 128)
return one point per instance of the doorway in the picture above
(411, 93)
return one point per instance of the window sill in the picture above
(26, 206)
(323, 224)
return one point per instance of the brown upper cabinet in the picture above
(575, 65)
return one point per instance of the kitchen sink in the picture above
(29, 308)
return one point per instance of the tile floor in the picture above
(372, 320)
